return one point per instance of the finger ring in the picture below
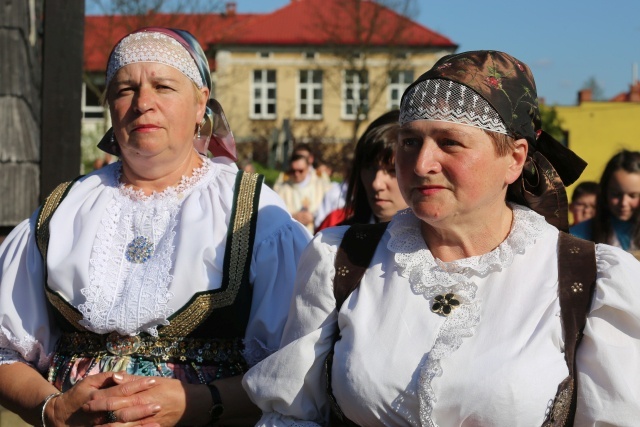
(111, 417)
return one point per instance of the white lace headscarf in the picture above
(149, 46)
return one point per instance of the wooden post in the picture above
(61, 92)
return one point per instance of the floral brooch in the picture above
(444, 304)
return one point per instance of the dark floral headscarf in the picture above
(508, 86)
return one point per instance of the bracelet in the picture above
(44, 405)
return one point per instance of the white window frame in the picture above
(356, 86)
(97, 109)
(400, 86)
(264, 100)
(310, 86)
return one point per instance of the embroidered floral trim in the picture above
(430, 277)
(118, 287)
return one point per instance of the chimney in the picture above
(230, 8)
(634, 92)
(585, 95)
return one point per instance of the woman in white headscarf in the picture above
(158, 280)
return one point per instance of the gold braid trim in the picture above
(203, 305)
(49, 206)
(44, 217)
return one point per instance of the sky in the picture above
(565, 42)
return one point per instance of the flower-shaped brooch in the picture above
(444, 304)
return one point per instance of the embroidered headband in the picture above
(449, 101)
(153, 46)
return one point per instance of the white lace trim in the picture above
(124, 296)
(14, 349)
(429, 277)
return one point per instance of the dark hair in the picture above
(298, 156)
(376, 146)
(303, 147)
(626, 160)
(585, 188)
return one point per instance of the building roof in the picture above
(327, 22)
(307, 23)
(632, 96)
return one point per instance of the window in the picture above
(398, 82)
(91, 106)
(309, 55)
(264, 54)
(263, 94)
(310, 94)
(355, 93)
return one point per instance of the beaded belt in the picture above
(165, 349)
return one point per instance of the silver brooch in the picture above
(139, 250)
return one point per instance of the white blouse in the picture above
(87, 261)
(497, 360)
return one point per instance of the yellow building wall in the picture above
(233, 79)
(598, 130)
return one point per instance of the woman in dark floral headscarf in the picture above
(460, 318)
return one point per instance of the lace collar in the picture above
(184, 187)
(411, 250)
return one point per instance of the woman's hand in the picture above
(67, 409)
(137, 400)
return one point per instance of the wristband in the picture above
(217, 408)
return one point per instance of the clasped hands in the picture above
(119, 399)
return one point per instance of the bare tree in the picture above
(365, 35)
(597, 92)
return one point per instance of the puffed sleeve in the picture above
(608, 359)
(278, 246)
(25, 333)
(288, 386)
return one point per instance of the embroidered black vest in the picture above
(208, 329)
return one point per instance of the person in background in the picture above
(457, 318)
(159, 279)
(617, 217)
(300, 149)
(583, 201)
(303, 191)
(335, 197)
(372, 193)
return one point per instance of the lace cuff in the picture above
(27, 350)
(8, 357)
